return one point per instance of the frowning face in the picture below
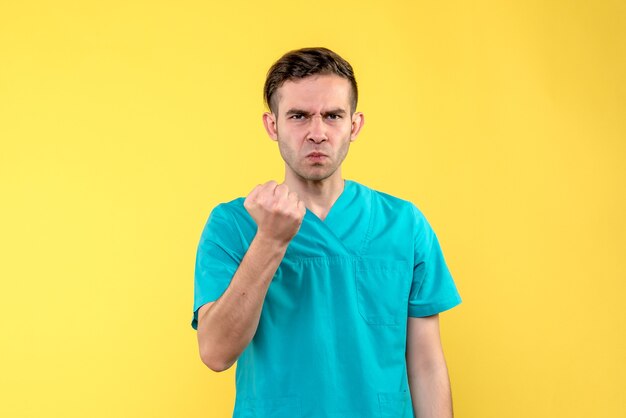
(313, 125)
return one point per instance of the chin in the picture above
(317, 175)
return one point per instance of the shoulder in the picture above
(232, 218)
(389, 201)
(389, 208)
(229, 209)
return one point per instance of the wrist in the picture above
(269, 243)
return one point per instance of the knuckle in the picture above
(275, 206)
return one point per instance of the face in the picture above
(313, 125)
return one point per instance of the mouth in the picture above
(316, 157)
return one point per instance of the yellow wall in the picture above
(122, 123)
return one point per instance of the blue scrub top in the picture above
(331, 338)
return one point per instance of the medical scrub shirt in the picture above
(331, 338)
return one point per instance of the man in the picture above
(324, 291)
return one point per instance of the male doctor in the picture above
(325, 292)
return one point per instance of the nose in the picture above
(317, 130)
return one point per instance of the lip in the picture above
(316, 154)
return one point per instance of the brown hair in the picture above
(305, 62)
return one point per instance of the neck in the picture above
(318, 195)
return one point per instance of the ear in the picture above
(269, 121)
(358, 120)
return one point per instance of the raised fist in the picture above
(277, 212)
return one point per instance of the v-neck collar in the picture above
(344, 231)
(337, 206)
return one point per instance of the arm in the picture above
(427, 372)
(227, 325)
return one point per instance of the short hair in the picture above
(305, 62)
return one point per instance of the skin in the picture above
(226, 326)
(313, 115)
(426, 368)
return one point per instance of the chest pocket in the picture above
(382, 289)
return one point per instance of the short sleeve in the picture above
(433, 289)
(217, 258)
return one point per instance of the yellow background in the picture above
(122, 123)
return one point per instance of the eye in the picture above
(297, 116)
(333, 116)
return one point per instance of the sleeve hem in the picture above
(194, 320)
(434, 308)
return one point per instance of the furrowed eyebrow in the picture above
(297, 112)
(337, 111)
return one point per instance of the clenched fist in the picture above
(277, 212)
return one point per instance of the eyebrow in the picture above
(294, 111)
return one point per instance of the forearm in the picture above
(229, 325)
(430, 391)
